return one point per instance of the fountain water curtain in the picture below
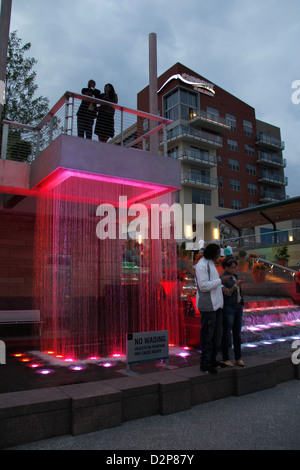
(92, 292)
(270, 319)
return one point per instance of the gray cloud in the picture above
(248, 48)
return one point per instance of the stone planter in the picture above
(243, 267)
(259, 276)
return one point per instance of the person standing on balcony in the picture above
(105, 126)
(87, 111)
(210, 304)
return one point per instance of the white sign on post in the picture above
(147, 346)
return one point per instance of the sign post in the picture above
(147, 346)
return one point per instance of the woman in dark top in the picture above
(232, 313)
(104, 127)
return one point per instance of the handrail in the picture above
(61, 119)
(285, 268)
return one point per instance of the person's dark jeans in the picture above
(210, 337)
(232, 322)
(85, 127)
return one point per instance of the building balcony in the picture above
(266, 177)
(270, 196)
(199, 181)
(194, 136)
(273, 160)
(200, 159)
(209, 121)
(269, 142)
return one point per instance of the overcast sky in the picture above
(250, 49)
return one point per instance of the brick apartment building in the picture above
(229, 159)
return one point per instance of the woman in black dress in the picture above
(104, 128)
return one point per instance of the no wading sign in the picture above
(148, 346)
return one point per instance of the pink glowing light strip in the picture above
(61, 174)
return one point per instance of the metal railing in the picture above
(131, 128)
(213, 118)
(273, 265)
(287, 237)
(182, 130)
(199, 180)
(270, 140)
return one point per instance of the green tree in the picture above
(21, 104)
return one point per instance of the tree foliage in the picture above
(21, 103)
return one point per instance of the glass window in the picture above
(173, 153)
(252, 188)
(251, 169)
(201, 197)
(231, 121)
(248, 128)
(235, 204)
(249, 149)
(232, 145)
(212, 111)
(171, 110)
(235, 185)
(234, 164)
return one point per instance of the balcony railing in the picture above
(269, 141)
(271, 178)
(199, 180)
(270, 196)
(188, 132)
(191, 156)
(272, 159)
(22, 142)
(212, 121)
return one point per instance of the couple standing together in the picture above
(88, 111)
(220, 302)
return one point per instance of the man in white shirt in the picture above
(210, 303)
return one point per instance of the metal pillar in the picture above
(153, 101)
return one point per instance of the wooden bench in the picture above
(20, 317)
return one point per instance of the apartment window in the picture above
(235, 204)
(251, 169)
(231, 121)
(232, 145)
(248, 128)
(201, 197)
(235, 185)
(252, 188)
(188, 104)
(252, 204)
(198, 153)
(200, 175)
(234, 164)
(173, 153)
(171, 105)
(222, 203)
(220, 161)
(249, 149)
(212, 112)
(220, 181)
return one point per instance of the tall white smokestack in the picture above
(153, 101)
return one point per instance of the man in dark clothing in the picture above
(87, 111)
